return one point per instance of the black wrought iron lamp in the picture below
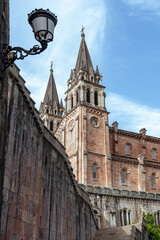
(43, 23)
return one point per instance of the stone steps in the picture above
(116, 233)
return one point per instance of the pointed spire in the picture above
(51, 96)
(84, 60)
(97, 70)
(61, 104)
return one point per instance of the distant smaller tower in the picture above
(51, 111)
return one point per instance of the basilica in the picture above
(119, 169)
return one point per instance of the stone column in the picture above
(84, 147)
(74, 99)
(143, 140)
(100, 100)
(54, 125)
(104, 96)
(108, 177)
(76, 143)
(69, 104)
(141, 174)
(92, 97)
(127, 216)
(115, 129)
(122, 218)
(83, 94)
(66, 104)
(85, 168)
(155, 219)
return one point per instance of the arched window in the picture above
(91, 78)
(55, 111)
(153, 153)
(125, 217)
(94, 171)
(153, 180)
(47, 110)
(88, 95)
(51, 125)
(127, 149)
(123, 176)
(77, 97)
(96, 98)
(72, 101)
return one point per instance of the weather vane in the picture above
(82, 31)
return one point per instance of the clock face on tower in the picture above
(94, 121)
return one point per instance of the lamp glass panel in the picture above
(50, 26)
(39, 23)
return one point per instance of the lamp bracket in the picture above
(11, 54)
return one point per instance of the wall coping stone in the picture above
(124, 193)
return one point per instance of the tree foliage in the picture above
(153, 230)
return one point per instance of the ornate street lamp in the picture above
(43, 23)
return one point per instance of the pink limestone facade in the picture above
(102, 156)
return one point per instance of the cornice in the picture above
(149, 163)
(121, 158)
(135, 135)
(98, 154)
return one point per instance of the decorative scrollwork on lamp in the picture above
(43, 23)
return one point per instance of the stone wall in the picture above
(41, 198)
(111, 204)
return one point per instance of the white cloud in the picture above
(152, 6)
(132, 116)
(145, 4)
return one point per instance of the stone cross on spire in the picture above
(82, 31)
(51, 69)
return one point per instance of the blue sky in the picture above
(123, 38)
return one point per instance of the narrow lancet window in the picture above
(153, 153)
(153, 180)
(96, 98)
(51, 125)
(94, 171)
(127, 149)
(77, 97)
(124, 217)
(88, 95)
(72, 101)
(123, 173)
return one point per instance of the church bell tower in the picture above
(84, 131)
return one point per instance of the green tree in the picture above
(153, 230)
